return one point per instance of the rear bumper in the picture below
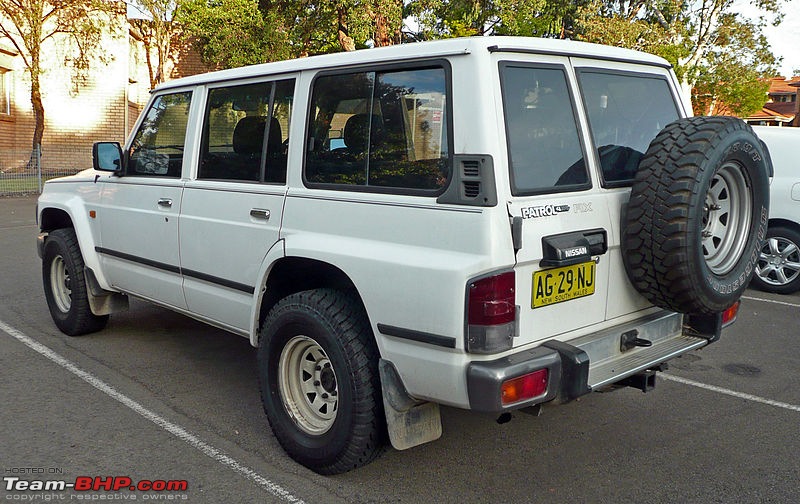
(590, 362)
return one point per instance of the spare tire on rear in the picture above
(697, 214)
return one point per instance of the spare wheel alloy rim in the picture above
(727, 215)
(308, 385)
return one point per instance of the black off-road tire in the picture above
(697, 215)
(778, 267)
(320, 386)
(65, 286)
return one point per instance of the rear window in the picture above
(544, 146)
(626, 111)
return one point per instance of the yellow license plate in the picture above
(556, 285)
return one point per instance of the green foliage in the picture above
(724, 57)
(463, 18)
(233, 33)
(736, 70)
(709, 46)
(238, 32)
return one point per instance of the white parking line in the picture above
(732, 393)
(174, 429)
(784, 303)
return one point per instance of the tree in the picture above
(32, 24)
(735, 70)
(232, 33)
(156, 32)
(240, 32)
(711, 47)
(459, 18)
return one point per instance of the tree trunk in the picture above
(38, 108)
(345, 40)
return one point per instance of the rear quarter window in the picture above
(383, 131)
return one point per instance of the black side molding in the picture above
(422, 337)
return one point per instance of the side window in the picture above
(626, 111)
(245, 132)
(380, 130)
(544, 146)
(157, 148)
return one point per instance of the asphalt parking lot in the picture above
(157, 397)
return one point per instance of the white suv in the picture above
(486, 223)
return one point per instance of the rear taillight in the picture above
(524, 387)
(729, 315)
(491, 313)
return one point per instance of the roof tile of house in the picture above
(773, 110)
(780, 85)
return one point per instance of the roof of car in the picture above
(431, 49)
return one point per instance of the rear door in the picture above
(626, 106)
(232, 209)
(557, 207)
(576, 130)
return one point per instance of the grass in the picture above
(21, 184)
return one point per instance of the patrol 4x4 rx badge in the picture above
(543, 211)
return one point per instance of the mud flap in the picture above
(101, 301)
(409, 422)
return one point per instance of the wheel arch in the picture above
(54, 218)
(63, 214)
(785, 223)
(289, 275)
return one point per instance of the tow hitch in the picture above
(645, 380)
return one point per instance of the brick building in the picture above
(102, 103)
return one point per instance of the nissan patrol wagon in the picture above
(487, 223)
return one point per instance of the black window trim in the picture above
(413, 64)
(579, 71)
(515, 191)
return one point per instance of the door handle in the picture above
(165, 202)
(259, 213)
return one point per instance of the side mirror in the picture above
(107, 156)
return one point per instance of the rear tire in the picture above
(697, 215)
(778, 267)
(65, 285)
(320, 386)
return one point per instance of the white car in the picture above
(778, 268)
(485, 223)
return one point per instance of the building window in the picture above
(5, 92)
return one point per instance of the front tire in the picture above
(320, 387)
(65, 285)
